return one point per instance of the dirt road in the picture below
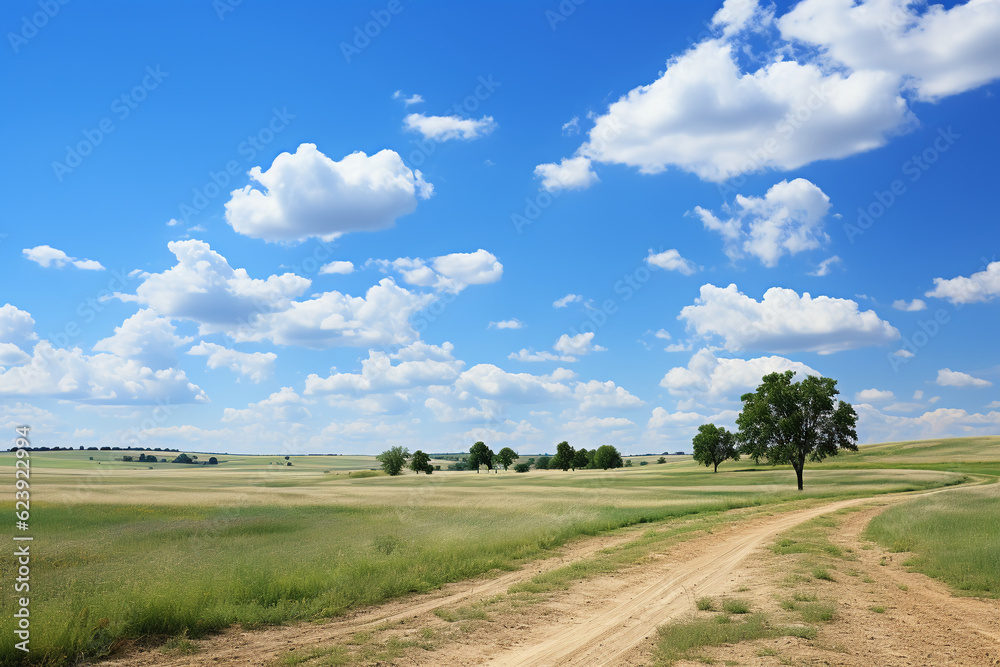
(609, 620)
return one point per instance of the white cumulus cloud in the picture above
(713, 377)
(787, 220)
(46, 256)
(340, 267)
(443, 128)
(569, 174)
(307, 194)
(671, 260)
(980, 286)
(146, 337)
(783, 321)
(255, 365)
(949, 378)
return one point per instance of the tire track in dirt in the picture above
(607, 635)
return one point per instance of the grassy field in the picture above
(124, 552)
(954, 537)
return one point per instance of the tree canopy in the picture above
(393, 460)
(713, 445)
(506, 456)
(785, 422)
(564, 457)
(421, 462)
(480, 454)
(607, 456)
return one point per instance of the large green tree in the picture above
(480, 454)
(393, 459)
(791, 422)
(506, 456)
(607, 456)
(713, 445)
(581, 459)
(564, 457)
(421, 462)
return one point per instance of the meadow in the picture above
(123, 552)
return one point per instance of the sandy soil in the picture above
(612, 619)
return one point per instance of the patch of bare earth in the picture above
(918, 622)
(612, 619)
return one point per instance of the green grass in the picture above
(704, 604)
(954, 537)
(123, 552)
(678, 641)
(734, 606)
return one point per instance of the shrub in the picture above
(522, 467)
(736, 606)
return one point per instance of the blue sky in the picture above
(311, 228)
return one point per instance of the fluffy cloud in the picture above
(100, 379)
(419, 365)
(834, 83)
(708, 376)
(570, 349)
(338, 267)
(912, 306)
(566, 300)
(579, 345)
(443, 128)
(507, 324)
(146, 337)
(784, 322)
(450, 273)
(569, 174)
(706, 116)
(332, 319)
(596, 395)
(12, 355)
(46, 256)
(671, 260)
(876, 426)
(203, 287)
(306, 194)
(936, 52)
(787, 220)
(281, 406)
(255, 365)
(981, 286)
(870, 395)
(949, 378)
(491, 382)
(738, 15)
(16, 325)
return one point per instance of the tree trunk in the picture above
(716, 466)
(798, 475)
